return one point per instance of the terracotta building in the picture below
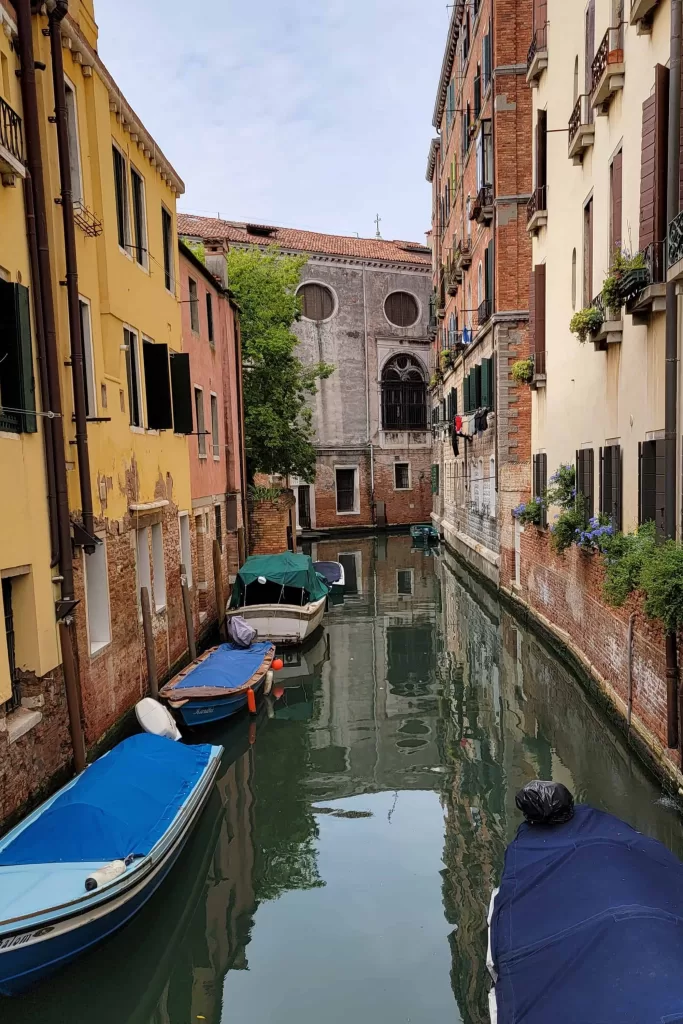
(480, 170)
(210, 330)
(366, 311)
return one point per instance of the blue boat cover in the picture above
(227, 668)
(588, 926)
(332, 571)
(121, 805)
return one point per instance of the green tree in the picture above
(277, 385)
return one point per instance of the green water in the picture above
(343, 867)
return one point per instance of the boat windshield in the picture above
(275, 593)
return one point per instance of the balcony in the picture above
(612, 329)
(675, 251)
(644, 289)
(463, 255)
(453, 279)
(11, 145)
(433, 325)
(608, 69)
(537, 58)
(642, 13)
(484, 313)
(539, 378)
(581, 129)
(537, 210)
(482, 207)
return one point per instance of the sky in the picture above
(312, 114)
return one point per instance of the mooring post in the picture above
(220, 594)
(149, 643)
(188, 613)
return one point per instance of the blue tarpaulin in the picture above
(227, 668)
(588, 926)
(120, 806)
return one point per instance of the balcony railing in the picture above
(484, 312)
(11, 133)
(635, 281)
(463, 253)
(537, 203)
(539, 364)
(482, 207)
(608, 66)
(675, 246)
(452, 281)
(581, 127)
(537, 57)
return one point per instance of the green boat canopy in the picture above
(285, 570)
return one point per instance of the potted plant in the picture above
(585, 322)
(446, 358)
(523, 371)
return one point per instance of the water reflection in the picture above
(344, 864)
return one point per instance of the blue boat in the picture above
(587, 926)
(218, 684)
(86, 861)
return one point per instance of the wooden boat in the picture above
(587, 925)
(424, 533)
(281, 596)
(218, 683)
(90, 857)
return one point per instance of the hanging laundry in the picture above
(456, 445)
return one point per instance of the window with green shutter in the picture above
(17, 385)
(486, 383)
(466, 394)
(476, 398)
(435, 479)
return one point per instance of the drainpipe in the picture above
(240, 416)
(671, 372)
(75, 335)
(367, 401)
(35, 166)
(48, 431)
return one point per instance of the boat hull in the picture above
(282, 623)
(201, 712)
(29, 956)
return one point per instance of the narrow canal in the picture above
(343, 867)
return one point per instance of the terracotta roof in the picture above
(303, 241)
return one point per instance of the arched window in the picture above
(576, 80)
(480, 284)
(574, 279)
(452, 328)
(404, 395)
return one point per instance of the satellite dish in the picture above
(156, 719)
(262, 579)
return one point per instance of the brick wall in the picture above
(268, 524)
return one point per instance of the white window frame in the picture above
(88, 356)
(158, 568)
(74, 141)
(194, 304)
(132, 333)
(201, 426)
(356, 491)
(411, 574)
(215, 435)
(171, 251)
(97, 601)
(185, 545)
(141, 244)
(126, 247)
(410, 477)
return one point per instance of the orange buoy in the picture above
(278, 663)
(251, 701)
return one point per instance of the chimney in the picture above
(216, 253)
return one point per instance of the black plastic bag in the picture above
(545, 803)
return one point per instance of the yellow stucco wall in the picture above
(592, 396)
(24, 530)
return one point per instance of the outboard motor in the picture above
(545, 803)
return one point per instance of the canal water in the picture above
(343, 868)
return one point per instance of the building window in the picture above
(142, 563)
(404, 582)
(97, 598)
(401, 309)
(588, 253)
(74, 147)
(17, 386)
(194, 305)
(209, 316)
(346, 490)
(185, 546)
(130, 340)
(402, 476)
(615, 190)
(219, 526)
(404, 395)
(351, 561)
(215, 439)
(651, 479)
(574, 279)
(137, 186)
(540, 482)
(157, 385)
(88, 361)
(199, 417)
(159, 567)
(317, 301)
(610, 483)
(585, 483)
(167, 235)
(121, 192)
(480, 284)
(15, 698)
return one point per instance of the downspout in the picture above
(671, 372)
(240, 417)
(75, 335)
(48, 430)
(367, 401)
(35, 166)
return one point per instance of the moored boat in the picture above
(587, 924)
(333, 572)
(90, 857)
(218, 684)
(281, 596)
(424, 533)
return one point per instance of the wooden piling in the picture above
(149, 643)
(220, 593)
(188, 613)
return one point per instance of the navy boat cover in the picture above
(121, 805)
(588, 926)
(332, 571)
(229, 667)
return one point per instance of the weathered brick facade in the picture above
(270, 524)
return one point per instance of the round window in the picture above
(317, 301)
(401, 309)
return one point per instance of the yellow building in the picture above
(135, 387)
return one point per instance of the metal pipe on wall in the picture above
(671, 349)
(75, 333)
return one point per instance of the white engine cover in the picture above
(156, 719)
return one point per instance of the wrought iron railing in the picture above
(634, 281)
(404, 405)
(484, 312)
(539, 42)
(483, 201)
(581, 114)
(675, 240)
(452, 280)
(463, 252)
(610, 51)
(537, 203)
(11, 134)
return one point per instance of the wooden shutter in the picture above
(648, 148)
(651, 481)
(489, 279)
(588, 253)
(615, 182)
(157, 386)
(485, 383)
(539, 311)
(17, 385)
(541, 150)
(181, 393)
(532, 310)
(477, 386)
(466, 394)
(616, 481)
(585, 479)
(543, 481)
(486, 60)
(590, 46)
